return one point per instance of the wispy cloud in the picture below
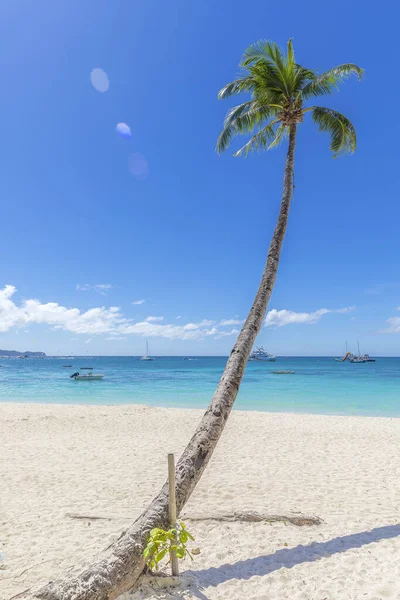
(190, 331)
(381, 288)
(154, 319)
(179, 317)
(226, 322)
(101, 288)
(138, 302)
(222, 334)
(393, 324)
(279, 318)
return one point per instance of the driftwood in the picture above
(244, 517)
(93, 517)
(120, 566)
(20, 594)
(253, 517)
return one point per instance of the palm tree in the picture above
(279, 88)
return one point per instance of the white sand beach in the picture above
(109, 461)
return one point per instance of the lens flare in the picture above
(138, 166)
(99, 80)
(124, 130)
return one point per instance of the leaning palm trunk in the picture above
(119, 569)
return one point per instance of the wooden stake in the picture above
(172, 510)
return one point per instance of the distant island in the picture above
(27, 354)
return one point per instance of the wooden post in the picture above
(172, 509)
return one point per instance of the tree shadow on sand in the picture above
(290, 557)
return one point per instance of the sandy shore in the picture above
(110, 460)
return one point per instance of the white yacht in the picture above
(359, 358)
(261, 354)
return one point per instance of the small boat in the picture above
(284, 372)
(147, 356)
(261, 354)
(368, 358)
(86, 368)
(359, 358)
(67, 366)
(89, 377)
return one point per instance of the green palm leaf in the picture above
(259, 141)
(263, 50)
(236, 87)
(279, 88)
(281, 133)
(329, 81)
(343, 134)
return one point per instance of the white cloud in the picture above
(190, 331)
(225, 322)
(193, 326)
(100, 320)
(101, 288)
(88, 341)
(180, 317)
(212, 331)
(226, 333)
(279, 318)
(138, 302)
(393, 324)
(95, 320)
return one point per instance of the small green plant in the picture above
(162, 542)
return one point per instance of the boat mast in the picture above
(358, 345)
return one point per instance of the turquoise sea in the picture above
(320, 385)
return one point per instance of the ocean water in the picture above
(320, 385)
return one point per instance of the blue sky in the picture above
(189, 236)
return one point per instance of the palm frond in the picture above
(267, 80)
(259, 141)
(251, 116)
(259, 51)
(236, 87)
(290, 53)
(225, 138)
(236, 111)
(269, 54)
(327, 82)
(281, 133)
(343, 135)
(243, 119)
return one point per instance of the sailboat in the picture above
(347, 355)
(147, 356)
